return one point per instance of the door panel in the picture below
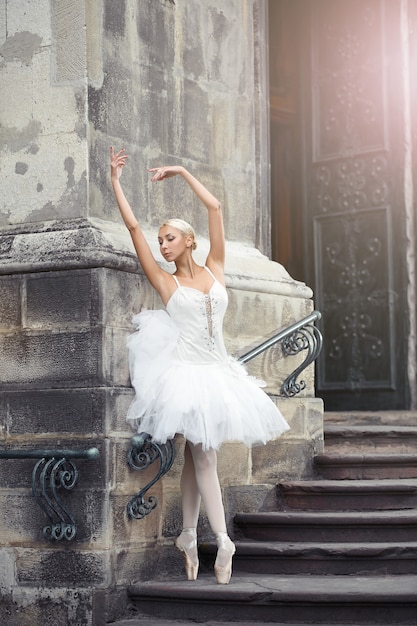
(349, 129)
(354, 202)
(354, 285)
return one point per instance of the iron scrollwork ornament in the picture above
(48, 476)
(301, 335)
(305, 338)
(143, 453)
(53, 471)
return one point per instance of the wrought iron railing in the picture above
(142, 454)
(54, 470)
(300, 336)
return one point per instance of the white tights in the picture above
(199, 481)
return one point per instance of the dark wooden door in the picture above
(348, 145)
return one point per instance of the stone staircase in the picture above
(340, 549)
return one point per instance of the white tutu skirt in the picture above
(208, 403)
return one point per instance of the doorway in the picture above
(338, 210)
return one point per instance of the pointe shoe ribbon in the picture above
(188, 547)
(226, 550)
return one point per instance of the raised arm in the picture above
(156, 276)
(216, 256)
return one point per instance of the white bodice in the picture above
(199, 319)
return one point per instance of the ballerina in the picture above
(184, 380)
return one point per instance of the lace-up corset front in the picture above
(199, 318)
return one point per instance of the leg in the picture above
(191, 500)
(205, 463)
(207, 482)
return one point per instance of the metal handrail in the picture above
(13, 453)
(301, 335)
(54, 470)
(290, 330)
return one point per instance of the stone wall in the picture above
(177, 84)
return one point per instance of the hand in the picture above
(117, 162)
(165, 172)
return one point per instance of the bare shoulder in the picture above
(217, 269)
(165, 285)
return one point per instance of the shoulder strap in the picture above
(210, 272)
(176, 280)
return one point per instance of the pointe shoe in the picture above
(187, 544)
(226, 550)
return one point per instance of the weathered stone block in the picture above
(3, 418)
(54, 359)
(93, 411)
(114, 18)
(55, 411)
(294, 412)
(148, 563)
(115, 361)
(197, 133)
(16, 473)
(21, 17)
(133, 532)
(291, 455)
(280, 460)
(109, 604)
(10, 302)
(71, 605)
(7, 571)
(118, 402)
(124, 295)
(304, 416)
(174, 474)
(247, 498)
(68, 20)
(103, 101)
(34, 609)
(58, 568)
(62, 299)
(314, 408)
(172, 513)
(22, 520)
(234, 464)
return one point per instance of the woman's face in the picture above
(172, 243)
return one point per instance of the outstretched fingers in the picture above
(164, 172)
(117, 162)
(118, 159)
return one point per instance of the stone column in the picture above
(172, 84)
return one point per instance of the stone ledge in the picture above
(82, 243)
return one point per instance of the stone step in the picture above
(329, 526)
(366, 466)
(357, 439)
(347, 495)
(144, 620)
(366, 600)
(286, 558)
(374, 418)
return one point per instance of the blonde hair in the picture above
(184, 227)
